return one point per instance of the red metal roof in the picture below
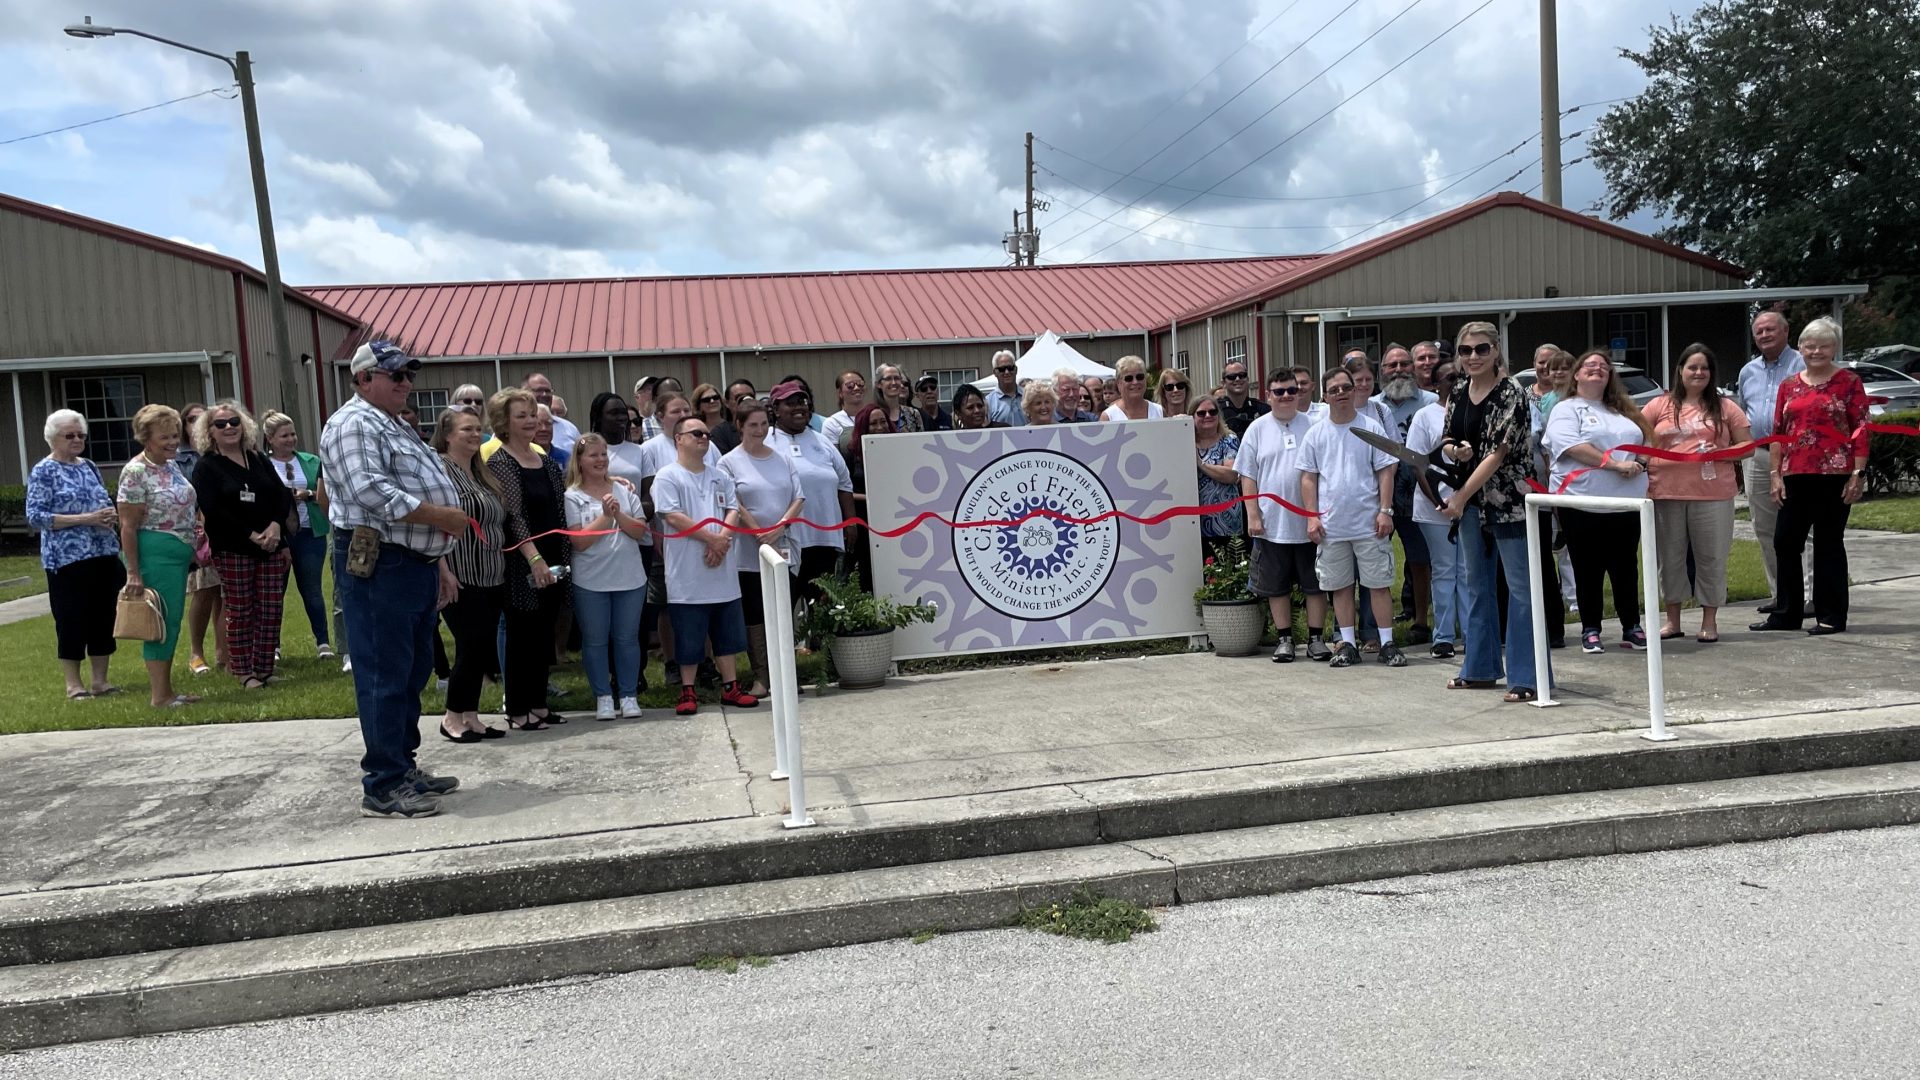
(1293, 277)
(702, 314)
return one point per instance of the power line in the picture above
(1195, 126)
(1243, 128)
(1309, 124)
(1442, 191)
(115, 116)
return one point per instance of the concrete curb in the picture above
(81, 924)
(260, 980)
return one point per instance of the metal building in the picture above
(104, 319)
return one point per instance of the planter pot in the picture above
(1234, 626)
(861, 660)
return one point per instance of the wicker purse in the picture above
(140, 616)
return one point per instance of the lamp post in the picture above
(291, 399)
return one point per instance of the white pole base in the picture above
(777, 774)
(1544, 703)
(798, 823)
(1658, 736)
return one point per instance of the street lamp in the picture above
(242, 68)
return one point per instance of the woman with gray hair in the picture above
(68, 505)
(1131, 374)
(247, 508)
(1818, 474)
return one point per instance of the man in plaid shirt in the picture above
(388, 485)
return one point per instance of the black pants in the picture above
(84, 596)
(1813, 504)
(530, 652)
(1604, 547)
(816, 562)
(475, 622)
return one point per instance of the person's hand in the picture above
(1458, 450)
(134, 583)
(1856, 486)
(715, 556)
(105, 518)
(610, 505)
(719, 542)
(1382, 525)
(1256, 525)
(1453, 507)
(449, 587)
(778, 534)
(542, 577)
(626, 483)
(1316, 532)
(1777, 487)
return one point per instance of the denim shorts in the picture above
(693, 624)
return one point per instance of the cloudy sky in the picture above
(414, 140)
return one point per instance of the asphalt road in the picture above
(1794, 958)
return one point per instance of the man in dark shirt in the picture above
(1238, 408)
(926, 394)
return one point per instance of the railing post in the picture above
(783, 682)
(1656, 667)
(772, 565)
(1543, 682)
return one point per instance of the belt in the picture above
(407, 552)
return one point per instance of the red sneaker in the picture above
(688, 703)
(731, 694)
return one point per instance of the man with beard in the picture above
(1067, 388)
(1403, 398)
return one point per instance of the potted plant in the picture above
(1234, 618)
(858, 629)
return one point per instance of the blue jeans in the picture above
(1482, 659)
(610, 617)
(392, 617)
(1449, 581)
(339, 545)
(308, 553)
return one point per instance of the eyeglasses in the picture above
(1241, 377)
(399, 376)
(1206, 412)
(1335, 391)
(701, 435)
(1283, 391)
(1485, 348)
(710, 399)
(231, 421)
(1135, 377)
(473, 401)
(1173, 386)
(73, 434)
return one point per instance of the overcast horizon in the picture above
(528, 138)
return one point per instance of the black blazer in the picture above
(239, 502)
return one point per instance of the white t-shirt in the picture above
(835, 427)
(657, 453)
(823, 476)
(628, 461)
(613, 563)
(765, 487)
(705, 494)
(1270, 455)
(1349, 491)
(293, 478)
(1154, 412)
(1429, 426)
(1576, 420)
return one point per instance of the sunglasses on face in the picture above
(399, 376)
(1206, 412)
(1235, 377)
(1005, 370)
(1484, 348)
(1133, 378)
(231, 421)
(1335, 391)
(710, 399)
(701, 435)
(1173, 386)
(797, 401)
(73, 434)
(473, 401)
(1283, 391)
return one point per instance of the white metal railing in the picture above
(783, 683)
(1650, 592)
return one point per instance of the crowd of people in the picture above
(519, 530)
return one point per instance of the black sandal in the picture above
(1458, 683)
(1520, 695)
(526, 723)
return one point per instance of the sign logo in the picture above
(1042, 568)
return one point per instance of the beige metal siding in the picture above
(1507, 253)
(68, 292)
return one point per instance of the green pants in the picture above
(164, 559)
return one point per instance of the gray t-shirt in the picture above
(613, 563)
(1349, 491)
(765, 487)
(700, 495)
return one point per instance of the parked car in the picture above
(1902, 392)
(1902, 358)
(1640, 385)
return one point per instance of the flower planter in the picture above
(862, 659)
(1234, 626)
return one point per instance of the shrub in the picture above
(1893, 461)
(849, 609)
(1224, 576)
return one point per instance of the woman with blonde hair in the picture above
(247, 508)
(300, 472)
(1579, 441)
(1175, 392)
(157, 506)
(533, 495)
(1039, 404)
(478, 570)
(1130, 372)
(609, 576)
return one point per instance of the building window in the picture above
(429, 404)
(1627, 336)
(1353, 336)
(1236, 351)
(108, 402)
(1180, 360)
(951, 379)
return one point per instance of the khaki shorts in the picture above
(1340, 561)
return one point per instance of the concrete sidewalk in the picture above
(123, 805)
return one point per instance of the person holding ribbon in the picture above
(1215, 447)
(1580, 440)
(532, 495)
(1817, 476)
(768, 486)
(1693, 499)
(609, 577)
(478, 568)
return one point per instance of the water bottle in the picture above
(1707, 471)
(560, 574)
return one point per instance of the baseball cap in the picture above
(382, 356)
(786, 390)
(925, 381)
(645, 383)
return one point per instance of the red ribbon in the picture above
(1728, 453)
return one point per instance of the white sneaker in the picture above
(603, 707)
(347, 664)
(440, 685)
(324, 652)
(629, 708)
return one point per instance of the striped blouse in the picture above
(477, 559)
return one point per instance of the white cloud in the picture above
(360, 249)
(345, 175)
(202, 245)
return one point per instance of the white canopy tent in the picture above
(1047, 355)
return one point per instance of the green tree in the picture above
(1779, 135)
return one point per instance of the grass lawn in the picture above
(313, 687)
(1895, 513)
(21, 566)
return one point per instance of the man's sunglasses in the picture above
(1283, 391)
(702, 435)
(1241, 377)
(231, 421)
(1133, 378)
(1005, 370)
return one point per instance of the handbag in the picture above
(140, 616)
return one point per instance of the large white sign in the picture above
(1043, 581)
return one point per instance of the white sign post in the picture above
(1042, 582)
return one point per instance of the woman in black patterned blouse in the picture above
(532, 494)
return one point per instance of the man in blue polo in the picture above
(1003, 401)
(394, 513)
(1760, 382)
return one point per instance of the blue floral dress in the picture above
(1232, 522)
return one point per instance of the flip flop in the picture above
(199, 667)
(76, 695)
(106, 691)
(1457, 683)
(1520, 695)
(1707, 639)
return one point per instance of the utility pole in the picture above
(1549, 103)
(1033, 235)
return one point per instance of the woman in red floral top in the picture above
(1817, 478)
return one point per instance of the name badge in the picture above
(246, 495)
(1589, 420)
(1288, 441)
